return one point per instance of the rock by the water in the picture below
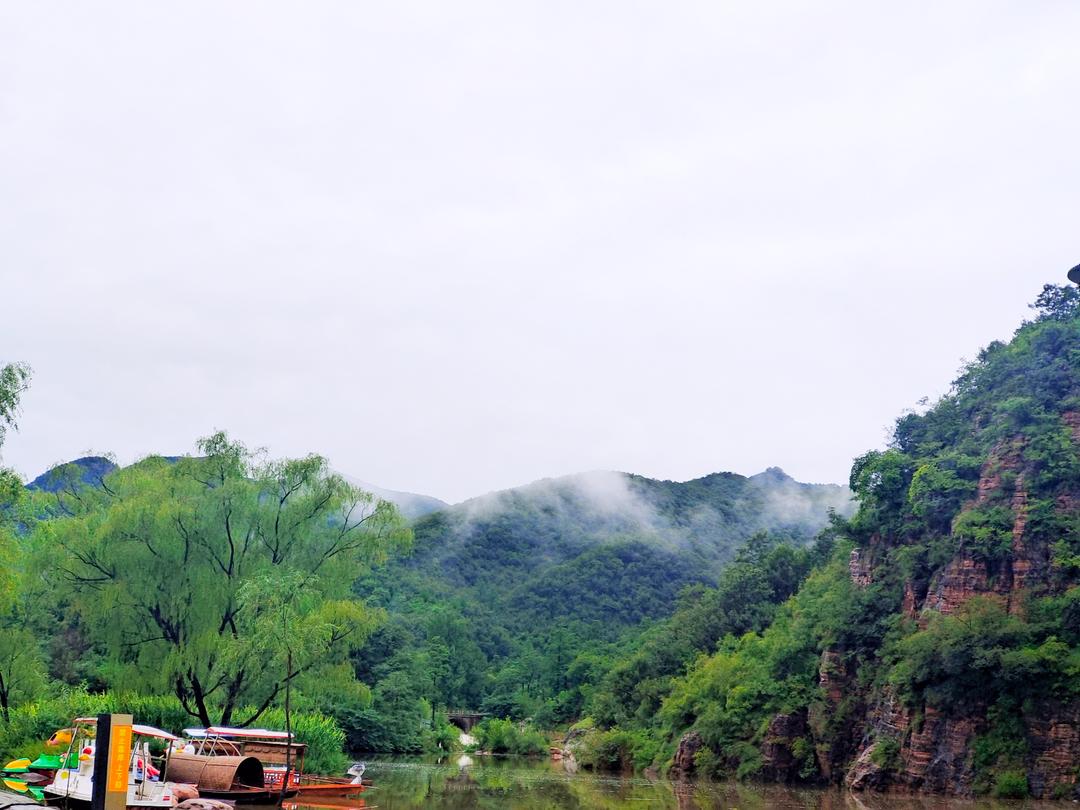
(689, 745)
(864, 773)
(203, 804)
(183, 792)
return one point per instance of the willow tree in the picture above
(22, 668)
(160, 560)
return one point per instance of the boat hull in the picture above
(330, 789)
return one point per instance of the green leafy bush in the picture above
(506, 737)
(1011, 785)
(618, 750)
(886, 753)
(986, 532)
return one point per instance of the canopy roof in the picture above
(136, 728)
(246, 733)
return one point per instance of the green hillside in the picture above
(522, 592)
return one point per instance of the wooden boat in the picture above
(332, 786)
(225, 778)
(72, 782)
(273, 749)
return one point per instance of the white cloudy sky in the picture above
(461, 246)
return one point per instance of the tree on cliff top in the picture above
(161, 562)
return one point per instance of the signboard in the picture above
(112, 762)
(119, 754)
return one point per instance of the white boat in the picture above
(73, 784)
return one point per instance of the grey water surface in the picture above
(402, 783)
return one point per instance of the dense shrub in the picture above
(618, 750)
(506, 737)
(1011, 785)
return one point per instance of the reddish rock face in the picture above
(1072, 421)
(937, 756)
(835, 721)
(1023, 563)
(1006, 457)
(960, 580)
(936, 752)
(779, 760)
(1054, 739)
(859, 566)
(683, 764)
(865, 774)
(910, 606)
(833, 676)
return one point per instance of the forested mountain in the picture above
(510, 602)
(552, 521)
(934, 643)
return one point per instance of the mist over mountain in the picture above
(410, 504)
(553, 520)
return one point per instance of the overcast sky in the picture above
(461, 246)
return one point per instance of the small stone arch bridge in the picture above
(465, 719)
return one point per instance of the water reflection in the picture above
(462, 784)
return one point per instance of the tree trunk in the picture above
(5, 700)
(288, 729)
(200, 700)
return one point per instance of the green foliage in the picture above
(14, 380)
(507, 737)
(986, 532)
(1000, 752)
(979, 653)
(730, 696)
(1057, 303)
(886, 753)
(765, 572)
(618, 750)
(1011, 785)
(939, 487)
(443, 736)
(170, 565)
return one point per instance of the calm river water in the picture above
(516, 784)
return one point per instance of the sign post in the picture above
(112, 761)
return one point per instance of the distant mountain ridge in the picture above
(607, 549)
(92, 469)
(411, 504)
(86, 470)
(706, 517)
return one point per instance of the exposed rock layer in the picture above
(932, 751)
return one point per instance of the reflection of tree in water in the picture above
(516, 784)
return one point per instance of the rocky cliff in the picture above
(934, 749)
